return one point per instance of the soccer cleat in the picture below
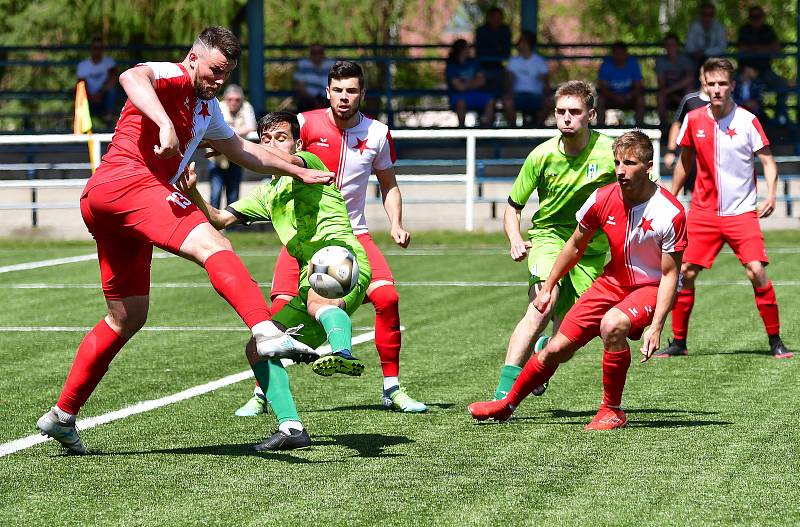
(285, 346)
(673, 349)
(498, 410)
(780, 351)
(400, 401)
(608, 419)
(541, 342)
(256, 405)
(64, 432)
(338, 362)
(282, 441)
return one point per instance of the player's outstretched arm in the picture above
(518, 247)
(566, 260)
(670, 271)
(138, 84)
(393, 205)
(680, 174)
(267, 160)
(187, 184)
(767, 206)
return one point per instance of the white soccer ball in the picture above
(333, 271)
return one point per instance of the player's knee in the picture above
(553, 355)
(614, 327)
(127, 320)
(757, 273)
(689, 274)
(384, 297)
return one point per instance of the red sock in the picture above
(681, 311)
(95, 353)
(534, 374)
(387, 328)
(615, 370)
(767, 306)
(278, 303)
(233, 282)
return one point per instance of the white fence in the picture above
(468, 179)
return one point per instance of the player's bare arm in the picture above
(138, 84)
(672, 144)
(518, 247)
(667, 287)
(219, 219)
(680, 174)
(569, 256)
(767, 206)
(393, 204)
(267, 160)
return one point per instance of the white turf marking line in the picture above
(86, 329)
(48, 263)
(146, 406)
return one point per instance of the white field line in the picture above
(146, 406)
(432, 251)
(426, 283)
(86, 329)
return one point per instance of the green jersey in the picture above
(564, 183)
(306, 217)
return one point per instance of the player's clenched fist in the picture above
(542, 300)
(401, 236)
(169, 142)
(316, 176)
(519, 250)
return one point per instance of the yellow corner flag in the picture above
(82, 123)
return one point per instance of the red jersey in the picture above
(726, 178)
(352, 154)
(131, 150)
(637, 235)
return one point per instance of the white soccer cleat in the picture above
(64, 432)
(284, 346)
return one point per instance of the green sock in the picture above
(338, 328)
(508, 374)
(274, 380)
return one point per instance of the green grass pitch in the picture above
(712, 438)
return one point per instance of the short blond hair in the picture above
(634, 142)
(580, 89)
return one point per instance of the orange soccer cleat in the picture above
(608, 419)
(498, 410)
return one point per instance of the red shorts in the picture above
(127, 217)
(707, 232)
(287, 271)
(582, 323)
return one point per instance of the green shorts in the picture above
(295, 313)
(546, 244)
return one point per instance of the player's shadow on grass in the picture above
(682, 418)
(761, 352)
(442, 406)
(367, 445)
(234, 449)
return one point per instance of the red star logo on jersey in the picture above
(646, 225)
(361, 145)
(204, 110)
(730, 133)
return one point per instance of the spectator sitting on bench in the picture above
(619, 84)
(675, 72)
(311, 79)
(465, 82)
(528, 82)
(748, 90)
(100, 73)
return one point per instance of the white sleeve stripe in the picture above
(586, 206)
(164, 70)
(682, 131)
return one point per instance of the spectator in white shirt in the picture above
(528, 81)
(311, 79)
(100, 74)
(706, 36)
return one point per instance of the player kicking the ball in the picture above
(646, 230)
(306, 218)
(564, 170)
(130, 204)
(724, 137)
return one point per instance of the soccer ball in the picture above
(333, 271)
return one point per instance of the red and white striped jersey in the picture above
(352, 154)
(637, 235)
(726, 178)
(131, 150)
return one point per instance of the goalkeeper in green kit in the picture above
(565, 170)
(306, 219)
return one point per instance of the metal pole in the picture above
(255, 55)
(34, 211)
(469, 216)
(529, 15)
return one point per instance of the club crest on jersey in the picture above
(610, 221)
(323, 141)
(591, 172)
(701, 134)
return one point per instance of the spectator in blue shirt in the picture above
(465, 83)
(492, 47)
(619, 84)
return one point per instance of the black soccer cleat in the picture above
(673, 349)
(779, 350)
(281, 441)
